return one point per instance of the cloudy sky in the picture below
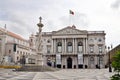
(21, 16)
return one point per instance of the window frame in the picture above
(91, 48)
(59, 47)
(100, 48)
(69, 47)
(80, 45)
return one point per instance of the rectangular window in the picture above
(91, 49)
(20, 52)
(17, 52)
(69, 49)
(31, 40)
(58, 59)
(48, 49)
(14, 47)
(80, 50)
(100, 49)
(59, 49)
(80, 59)
(9, 51)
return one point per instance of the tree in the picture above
(116, 66)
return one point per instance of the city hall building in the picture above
(74, 48)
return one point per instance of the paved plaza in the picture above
(63, 74)
(8, 74)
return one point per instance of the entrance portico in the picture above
(69, 61)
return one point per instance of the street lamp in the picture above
(110, 69)
(99, 60)
(100, 51)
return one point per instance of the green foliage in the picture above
(116, 62)
(115, 77)
(116, 66)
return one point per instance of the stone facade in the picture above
(74, 48)
(66, 48)
(13, 47)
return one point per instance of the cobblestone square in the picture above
(63, 74)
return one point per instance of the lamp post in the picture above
(110, 69)
(99, 60)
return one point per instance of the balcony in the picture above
(96, 32)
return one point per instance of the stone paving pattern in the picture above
(8, 74)
(63, 74)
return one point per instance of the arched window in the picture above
(80, 47)
(91, 48)
(48, 49)
(92, 60)
(69, 47)
(91, 40)
(48, 41)
(99, 39)
(59, 47)
(17, 58)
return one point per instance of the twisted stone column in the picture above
(38, 44)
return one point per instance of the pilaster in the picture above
(65, 45)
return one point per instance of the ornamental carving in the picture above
(69, 30)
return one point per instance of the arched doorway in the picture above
(69, 62)
(92, 62)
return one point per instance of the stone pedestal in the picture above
(39, 60)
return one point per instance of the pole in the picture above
(70, 20)
(71, 13)
(99, 60)
(110, 69)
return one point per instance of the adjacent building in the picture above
(112, 52)
(13, 47)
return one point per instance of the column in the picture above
(88, 56)
(65, 46)
(73, 46)
(84, 40)
(96, 60)
(86, 46)
(52, 47)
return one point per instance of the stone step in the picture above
(36, 68)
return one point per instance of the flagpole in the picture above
(69, 19)
(71, 13)
(5, 26)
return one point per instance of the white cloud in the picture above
(21, 16)
(78, 19)
(116, 4)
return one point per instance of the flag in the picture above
(111, 46)
(5, 26)
(71, 12)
